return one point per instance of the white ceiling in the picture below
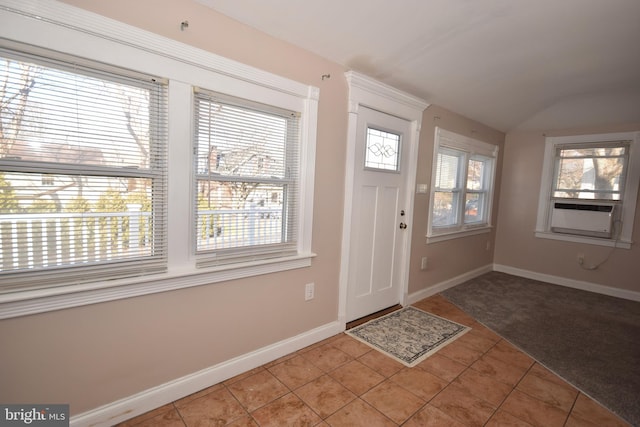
(511, 64)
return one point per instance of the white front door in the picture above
(378, 221)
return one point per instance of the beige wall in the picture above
(93, 355)
(516, 245)
(450, 258)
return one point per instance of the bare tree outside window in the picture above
(590, 172)
(76, 173)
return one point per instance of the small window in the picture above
(82, 172)
(592, 172)
(246, 180)
(382, 150)
(462, 186)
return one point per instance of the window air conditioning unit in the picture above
(585, 219)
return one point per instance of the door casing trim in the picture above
(367, 92)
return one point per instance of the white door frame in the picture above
(367, 92)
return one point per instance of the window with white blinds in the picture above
(246, 180)
(462, 184)
(83, 171)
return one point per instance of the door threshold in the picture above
(372, 316)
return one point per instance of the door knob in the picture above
(403, 225)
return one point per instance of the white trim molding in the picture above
(367, 92)
(131, 406)
(548, 278)
(449, 283)
(570, 283)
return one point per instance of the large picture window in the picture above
(462, 185)
(246, 179)
(103, 194)
(82, 171)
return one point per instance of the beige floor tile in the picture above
(469, 382)
(351, 346)
(480, 329)
(327, 357)
(541, 372)
(560, 396)
(419, 382)
(325, 395)
(442, 367)
(393, 401)
(461, 353)
(243, 375)
(505, 419)
(511, 355)
(587, 413)
(288, 410)
(384, 365)
(216, 408)
(357, 377)
(280, 360)
(533, 411)
(458, 403)
(295, 372)
(246, 421)
(484, 387)
(359, 413)
(432, 417)
(499, 370)
(258, 390)
(476, 341)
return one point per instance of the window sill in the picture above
(43, 300)
(433, 238)
(583, 239)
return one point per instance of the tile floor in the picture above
(478, 380)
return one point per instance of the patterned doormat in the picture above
(409, 335)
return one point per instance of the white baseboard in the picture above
(571, 283)
(450, 283)
(129, 407)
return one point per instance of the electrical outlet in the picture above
(423, 263)
(309, 290)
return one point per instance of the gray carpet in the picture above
(590, 340)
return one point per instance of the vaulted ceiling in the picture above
(510, 64)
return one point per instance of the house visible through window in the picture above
(82, 172)
(462, 185)
(246, 179)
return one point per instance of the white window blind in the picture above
(591, 171)
(246, 180)
(82, 171)
(462, 184)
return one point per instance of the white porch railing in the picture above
(57, 239)
(230, 228)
